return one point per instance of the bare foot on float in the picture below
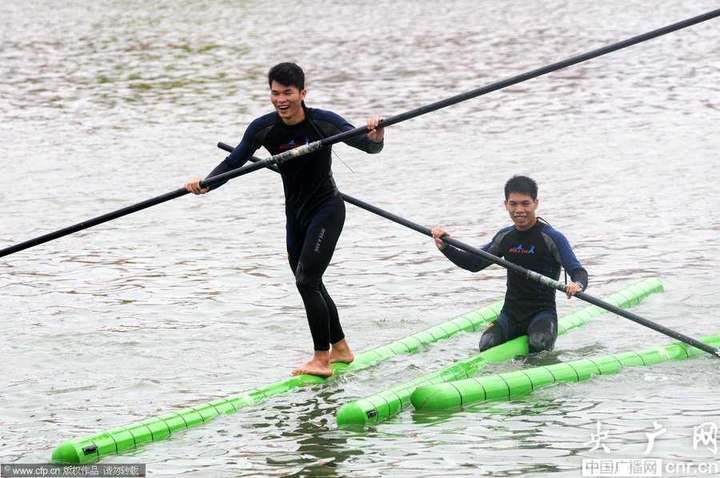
(319, 365)
(340, 352)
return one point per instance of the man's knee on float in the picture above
(491, 337)
(541, 339)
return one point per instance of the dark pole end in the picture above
(225, 146)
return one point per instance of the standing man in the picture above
(314, 209)
(529, 307)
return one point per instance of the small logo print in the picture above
(520, 249)
(319, 240)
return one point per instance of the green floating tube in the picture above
(381, 406)
(514, 384)
(118, 440)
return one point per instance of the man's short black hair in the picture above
(521, 185)
(287, 74)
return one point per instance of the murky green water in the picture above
(104, 104)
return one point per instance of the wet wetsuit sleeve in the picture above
(331, 124)
(468, 260)
(569, 261)
(240, 154)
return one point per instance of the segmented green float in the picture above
(381, 406)
(522, 382)
(129, 437)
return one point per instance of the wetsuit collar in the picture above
(534, 226)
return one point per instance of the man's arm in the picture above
(578, 274)
(331, 124)
(239, 156)
(466, 260)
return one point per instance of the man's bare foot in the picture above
(319, 365)
(340, 352)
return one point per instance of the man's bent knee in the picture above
(491, 337)
(306, 283)
(539, 342)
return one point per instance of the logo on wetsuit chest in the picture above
(292, 144)
(520, 249)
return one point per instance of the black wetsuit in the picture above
(314, 209)
(529, 306)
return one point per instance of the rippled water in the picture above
(107, 103)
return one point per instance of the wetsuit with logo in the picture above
(314, 209)
(529, 306)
